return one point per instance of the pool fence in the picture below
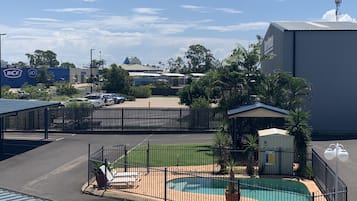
(169, 182)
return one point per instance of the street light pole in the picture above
(336, 151)
(338, 3)
(1, 72)
(91, 70)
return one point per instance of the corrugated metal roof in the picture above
(137, 67)
(315, 26)
(16, 196)
(257, 105)
(9, 106)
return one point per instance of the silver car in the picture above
(96, 99)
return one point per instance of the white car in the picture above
(96, 99)
(71, 100)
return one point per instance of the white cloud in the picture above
(73, 10)
(194, 8)
(89, 0)
(330, 15)
(36, 19)
(239, 27)
(148, 11)
(229, 10)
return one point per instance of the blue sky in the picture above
(152, 30)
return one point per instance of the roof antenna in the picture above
(338, 3)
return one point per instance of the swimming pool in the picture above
(261, 189)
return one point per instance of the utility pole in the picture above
(91, 70)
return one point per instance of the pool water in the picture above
(261, 189)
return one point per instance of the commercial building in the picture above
(324, 54)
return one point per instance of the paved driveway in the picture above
(348, 169)
(58, 170)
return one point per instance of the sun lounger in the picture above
(119, 174)
(118, 180)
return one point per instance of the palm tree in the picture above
(221, 143)
(298, 127)
(251, 146)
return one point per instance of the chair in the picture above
(129, 181)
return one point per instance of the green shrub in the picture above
(140, 91)
(200, 103)
(66, 89)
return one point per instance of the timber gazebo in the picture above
(248, 119)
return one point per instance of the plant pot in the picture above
(232, 196)
(101, 180)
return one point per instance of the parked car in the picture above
(118, 99)
(78, 100)
(108, 99)
(96, 99)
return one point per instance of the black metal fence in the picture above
(118, 119)
(325, 178)
(177, 179)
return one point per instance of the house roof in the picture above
(10, 106)
(315, 26)
(257, 110)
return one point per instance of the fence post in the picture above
(148, 158)
(106, 167)
(125, 159)
(102, 154)
(63, 116)
(122, 120)
(180, 118)
(165, 185)
(88, 175)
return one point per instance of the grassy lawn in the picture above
(171, 155)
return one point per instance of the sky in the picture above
(152, 30)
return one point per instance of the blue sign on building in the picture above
(16, 77)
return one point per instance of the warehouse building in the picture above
(323, 53)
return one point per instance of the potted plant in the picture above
(232, 193)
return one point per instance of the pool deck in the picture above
(151, 186)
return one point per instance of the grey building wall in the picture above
(327, 60)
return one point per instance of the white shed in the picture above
(276, 151)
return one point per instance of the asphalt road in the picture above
(58, 169)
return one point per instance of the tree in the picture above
(43, 58)
(298, 127)
(67, 65)
(116, 80)
(45, 77)
(283, 90)
(251, 146)
(199, 59)
(176, 65)
(221, 144)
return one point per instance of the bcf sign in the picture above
(12, 73)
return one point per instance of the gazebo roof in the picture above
(257, 110)
(10, 106)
